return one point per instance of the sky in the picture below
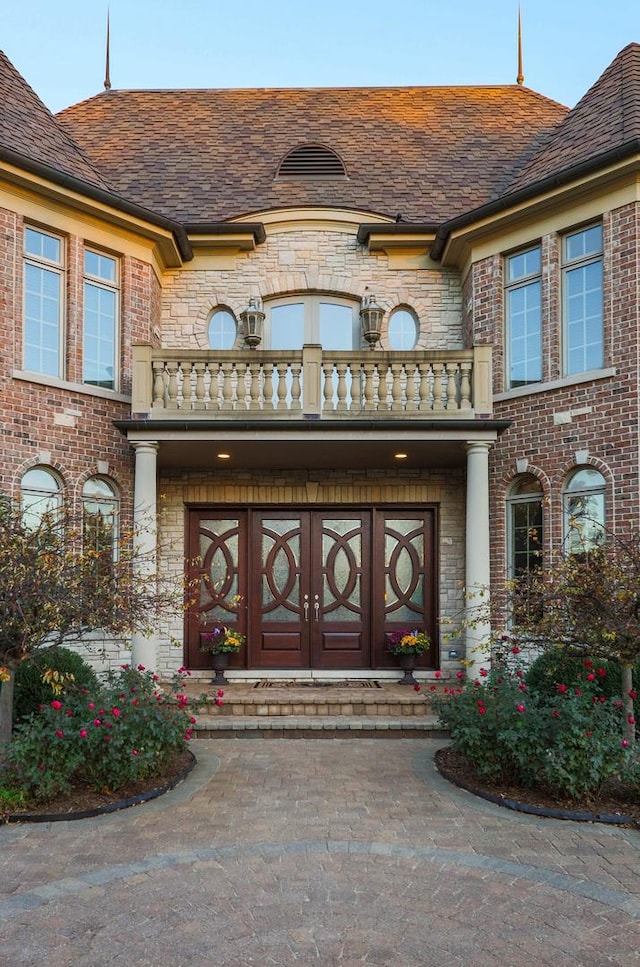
(59, 45)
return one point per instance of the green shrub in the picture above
(30, 691)
(124, 731)
(567, 743)
(563, 664)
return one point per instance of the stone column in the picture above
(143, 647)
(478, 567)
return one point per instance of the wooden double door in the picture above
(317, 588)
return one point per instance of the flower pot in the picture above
(408, 664)
(220, 662)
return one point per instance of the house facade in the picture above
(341, 356)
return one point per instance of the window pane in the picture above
(40, 495)
(42, 320)
(42, 245)
(99, 336)
(523, 264)
(335, 326)
(403, 330)
(222, 330)
(584, 243)
(99, 265)
(583, 305)
(287, 326)
(524, 327)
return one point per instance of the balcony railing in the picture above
(310, 382)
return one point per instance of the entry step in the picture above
(318, 726)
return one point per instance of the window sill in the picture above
(85, 388)
(575, 380)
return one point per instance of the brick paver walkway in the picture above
(308, 852)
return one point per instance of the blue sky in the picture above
(58, 45)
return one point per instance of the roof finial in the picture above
(107, 78)
(520, 77)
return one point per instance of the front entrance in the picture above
(319, 588)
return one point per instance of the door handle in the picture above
(305, 607)
(316, 608)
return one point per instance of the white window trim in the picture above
(311, 303)
(59, 268)
(568, 265)
(510, 286)
(110, 286)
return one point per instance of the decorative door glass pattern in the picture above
(404, 559)
(280, 571)
(342, 569)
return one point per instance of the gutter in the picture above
(310, 425)
(524, 194)
(100, 194)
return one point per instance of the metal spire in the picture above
(107, 78)
(520, 77)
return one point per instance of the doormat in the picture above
(348, 683)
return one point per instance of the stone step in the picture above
(319, 702)
(318, 727)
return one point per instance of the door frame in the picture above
(379, 627)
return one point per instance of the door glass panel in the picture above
(342, 566)
(218, 544)
(287, 326)
(280, 549)
(335, 326)
(404, 570)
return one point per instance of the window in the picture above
(583, 504)
(100, 512)
(43, 273)
(40, 495)
(403, 330)
(582, 294)
(332, 323)
(523, 317)
(525, 527)
(100, 319)
(222, 329)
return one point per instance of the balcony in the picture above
(310, 383)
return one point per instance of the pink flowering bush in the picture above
(567, 743)
(126, 730)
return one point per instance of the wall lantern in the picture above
(252, 323)
(371, 315)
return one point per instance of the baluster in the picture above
(356, 388)
(267, 372)
(424, 391)
(452, 401)
(172, 391)
(465, 386)
(186, 388)
(341, 390)
(283, 369)
(214, 390)
(437, 386)
(327, 389)
(295, 386)
(410, 387)
(254, 385)
(396, 386)
(227, 370)
(197, 398)
(368, 392)
(158, 385)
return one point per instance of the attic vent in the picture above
(312, 161)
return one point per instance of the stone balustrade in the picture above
(310, 382)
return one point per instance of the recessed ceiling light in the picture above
(401, 456)
(224, 456)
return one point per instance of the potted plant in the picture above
(408, 645)
(221, 641)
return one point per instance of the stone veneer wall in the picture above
(309, 261)
(322, 488)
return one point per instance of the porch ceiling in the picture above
(313, 445)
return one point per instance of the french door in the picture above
(318, 588)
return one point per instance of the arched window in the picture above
(328, 321)
(584, 510)
(100, 513)
(403, 330)
(40, 495)
(222, 329)
(525, 526)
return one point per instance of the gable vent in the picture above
(312, 161)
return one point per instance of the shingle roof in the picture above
(606, 118)
(28, 128)
(202, 156)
